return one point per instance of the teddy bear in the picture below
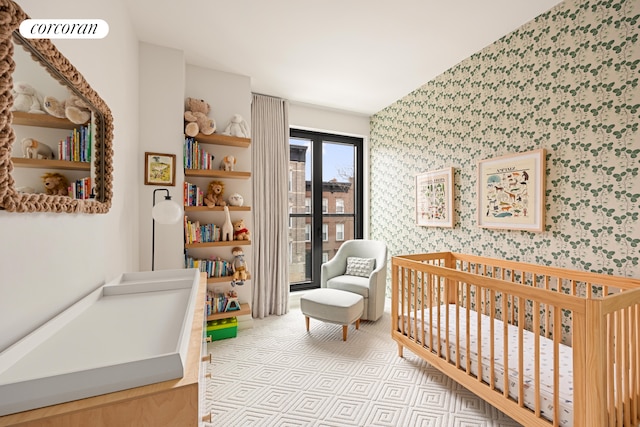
(196, 116)
(227, 164)
(32, 149)
(240, 232)
(55, 184)
(237, 127)
(26, 99)
(215, 193)
(239, 267)
(72, 108)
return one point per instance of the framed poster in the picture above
(159, 169)
(511, 191)
(434, 198)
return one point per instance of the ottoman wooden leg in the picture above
(358, 324)
(344, 332)
(306, 320)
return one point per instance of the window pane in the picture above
(300, 257)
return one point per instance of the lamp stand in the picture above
(153, 226)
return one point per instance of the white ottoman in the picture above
(333, 306)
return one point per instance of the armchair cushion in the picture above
(357, 285)
(360, 266)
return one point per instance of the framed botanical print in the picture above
(434, 198)
(511, 191)
(159, 169)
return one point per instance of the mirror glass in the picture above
(56, 142)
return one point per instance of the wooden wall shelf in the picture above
(41, 120)
(214, 244)
(21, 162)
(216, 209)
(213, 173)
(244, 310)
(224, 279)
(220, 139)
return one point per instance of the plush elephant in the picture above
(33, 149)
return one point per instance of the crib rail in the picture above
(445, 304)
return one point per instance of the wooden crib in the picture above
(545, 345)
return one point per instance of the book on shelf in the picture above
(80, 189)
(77, 146)
(214, 267)
(196, 157)
(194, 232)
(193, 195)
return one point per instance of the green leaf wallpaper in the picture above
(567, 82)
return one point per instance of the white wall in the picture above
(162, 74)
(48, 261)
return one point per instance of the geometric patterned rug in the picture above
(278, 374)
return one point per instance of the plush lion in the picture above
(240, 232)
(215, 194)
(55, 184)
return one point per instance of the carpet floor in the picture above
(278, 374)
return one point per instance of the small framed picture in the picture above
(511, 191)
(434, 198)
(159, 169)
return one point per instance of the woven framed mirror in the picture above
(88, 163)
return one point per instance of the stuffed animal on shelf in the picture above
(236, 200)
(32, 149)
(226, 233)
(237, 127)
(55, 184)
(228, 163)
(240, 231)
(72, 108)
(197, 117)
(239, 267)
(215, 194)
(26, 99)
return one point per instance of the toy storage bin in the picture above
(222, 328)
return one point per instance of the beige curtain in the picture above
(270, 156)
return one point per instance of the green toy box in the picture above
(222, 328)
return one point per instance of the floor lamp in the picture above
(165, 212)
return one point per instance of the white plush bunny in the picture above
(26, 99)
(237, 127)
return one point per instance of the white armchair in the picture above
(372, 288)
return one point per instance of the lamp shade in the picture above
(167, 212)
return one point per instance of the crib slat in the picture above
(468, 326)
(458, 299)
(618, 367)
(416, 337)
(556, 365)
(422, 305)
(627, 364)
(447, 321)
(635, 365)
(520, 352)
(610, 373)
(547, 312)
(478, 333)
(536, 355)
(505, 349)
(492, 340)
(431, 282)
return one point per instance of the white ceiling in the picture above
(353, 55)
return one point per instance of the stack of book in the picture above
(194, 232)
(213, 267)
(80, 189)
(77, 146)
(195, 157)
(193, 195)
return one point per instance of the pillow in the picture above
(360, 266)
